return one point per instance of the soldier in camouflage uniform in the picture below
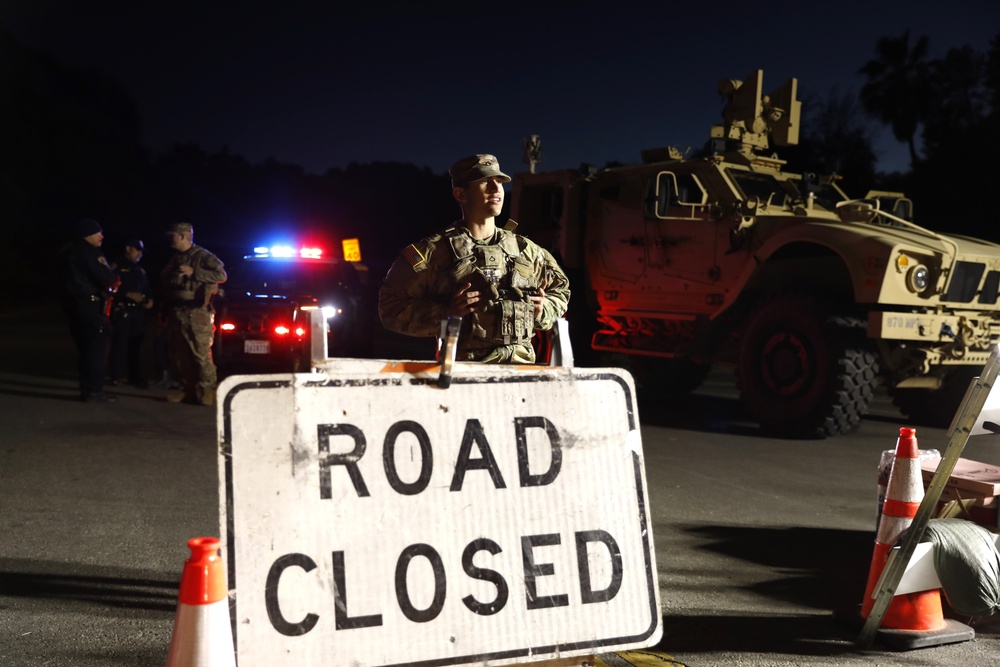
(501, 284)
(189, 280)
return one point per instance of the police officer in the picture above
(87, 282)
(128, 316)
(189, 280)
(502, 285)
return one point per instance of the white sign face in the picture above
(375, 519)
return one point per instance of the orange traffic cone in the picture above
(203, 636)
(918, 617)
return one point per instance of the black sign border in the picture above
(549, 651)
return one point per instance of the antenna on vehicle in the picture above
(532, 151)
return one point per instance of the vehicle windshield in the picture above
(293, 277)
(770, 190)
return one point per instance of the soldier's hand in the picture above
(464, 301)
(185, 270)
(538, 301)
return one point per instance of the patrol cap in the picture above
(87, 226)
(475, 167)
(180, 228)
(135, 243)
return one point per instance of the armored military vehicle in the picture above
(681, 263)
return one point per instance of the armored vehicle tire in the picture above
(937, 408)
(803, 372)
(668, 377)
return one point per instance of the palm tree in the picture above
(960, 96)
(992, 75)
(897, 92)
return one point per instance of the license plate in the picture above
(257, 347)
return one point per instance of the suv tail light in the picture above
(284, 330)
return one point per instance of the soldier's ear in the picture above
(459, 194)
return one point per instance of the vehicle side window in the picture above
(672, 195)
(543, 202)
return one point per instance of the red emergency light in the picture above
(288, 252)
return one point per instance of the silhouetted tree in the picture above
(70, 149)
(956, 83)
(835, 139)
(991, 75)
(896, 91)
(949, 185)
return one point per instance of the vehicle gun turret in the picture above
(752, 120)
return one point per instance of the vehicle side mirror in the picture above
(903, 209)
(666, 193)
(856, 211)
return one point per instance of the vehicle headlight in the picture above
(918, 278)
(329, 311)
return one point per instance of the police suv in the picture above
(262, 323)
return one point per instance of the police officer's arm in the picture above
(556, 292)
(407, 303)
(101, 273)
(86, 275)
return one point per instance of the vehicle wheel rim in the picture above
(784, 364)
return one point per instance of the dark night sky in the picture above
(321, 85)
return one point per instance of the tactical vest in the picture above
(505, 278)
(184, 290)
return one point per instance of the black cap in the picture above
(135, 243)
(87, 226)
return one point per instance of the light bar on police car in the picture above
(287, 252)
(328, 311)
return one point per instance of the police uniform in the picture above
(128, 319)
(506, 269)
(191, 325)
(87, 281)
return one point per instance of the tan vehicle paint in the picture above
(814, 297)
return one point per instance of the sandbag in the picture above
(967, 564)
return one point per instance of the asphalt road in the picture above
(758, 540)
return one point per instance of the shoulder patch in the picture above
(413, 255)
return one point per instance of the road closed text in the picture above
(532, 546)
(589, 569)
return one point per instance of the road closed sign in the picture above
(373, 518)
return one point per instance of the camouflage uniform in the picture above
(191, 323)
(506, 269)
